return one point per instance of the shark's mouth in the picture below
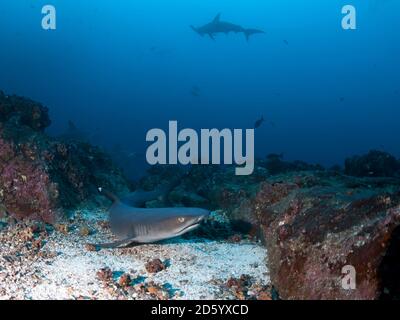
(190, 228)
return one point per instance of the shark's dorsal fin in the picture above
(108, 195)
(217, 18)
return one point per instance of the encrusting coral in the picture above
(40, 175)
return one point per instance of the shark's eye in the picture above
(181, 220)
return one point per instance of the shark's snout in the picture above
(195, 221)
(203, 216)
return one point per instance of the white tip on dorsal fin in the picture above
(217, 18)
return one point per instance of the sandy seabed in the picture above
(64, 268)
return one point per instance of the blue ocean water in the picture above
(120, 68)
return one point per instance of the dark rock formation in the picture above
(312, 232)
(373, 164)
(276, 165)
(40, 175)
(23, 111)
(313, 224)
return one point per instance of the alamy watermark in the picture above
(49, 19)
(349, 277)
(349, 21)
(185, 147)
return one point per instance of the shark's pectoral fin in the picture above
(211, 36)
(114, 245)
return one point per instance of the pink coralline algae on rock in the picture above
(25, 188)
(40, 175)
(313, 233)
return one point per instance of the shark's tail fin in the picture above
(249, 32)
(108, 194)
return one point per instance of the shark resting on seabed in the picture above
(133, 224)
(217, 26)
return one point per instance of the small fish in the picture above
(73, 133)
(276, 156)
(195, 91)
(72, 126)
(259, 122)
(135, 155)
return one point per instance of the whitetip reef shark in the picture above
(135, 225)
(218, 26)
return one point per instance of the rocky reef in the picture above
(313, 222)
(39, 175)
(313, 232)
(275, 165)
(374, 164)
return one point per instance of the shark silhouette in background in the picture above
(218, 26)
